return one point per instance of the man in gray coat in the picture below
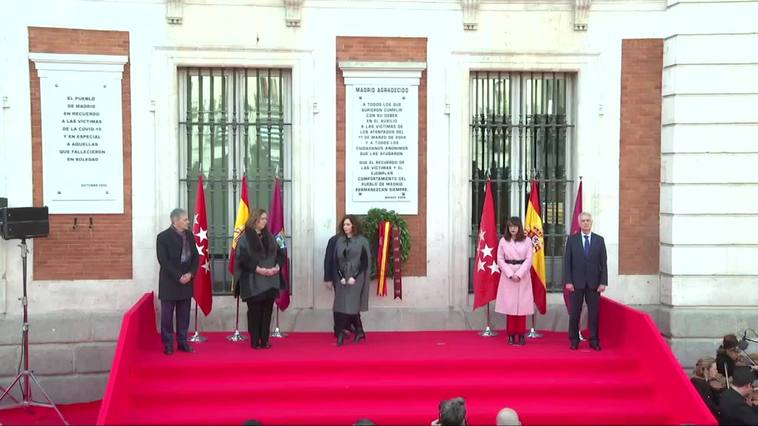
(178, 259)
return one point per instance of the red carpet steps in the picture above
(397, 378)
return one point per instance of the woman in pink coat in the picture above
(514, 292)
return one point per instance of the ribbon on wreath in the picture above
(381, 257)
(396, 257)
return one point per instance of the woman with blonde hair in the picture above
(708, 383)
(257, 262)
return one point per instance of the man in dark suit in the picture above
(734, 408)
(585, 274)
(178, 258)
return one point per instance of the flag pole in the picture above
(533, 334)
(278, 333)
(488, 332)
(236, 336)
(197, 337)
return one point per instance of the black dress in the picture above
(706, 392)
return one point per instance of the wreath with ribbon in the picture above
(371, 228)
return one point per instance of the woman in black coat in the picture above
(257, 263)
(708, 383)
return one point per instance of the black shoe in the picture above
(168, 349)
(596, 346)
(574, 346)
(522, 340)
(511, 339)
(185, 347)
(340, 339)
(265, 345)
(359, 335)
(255, 345)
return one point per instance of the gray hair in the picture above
(177, 213)
(586, 214)
(507, 417)
(453, 412)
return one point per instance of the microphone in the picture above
(743, 341)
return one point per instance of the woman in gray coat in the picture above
(257, 262)
(351, 278)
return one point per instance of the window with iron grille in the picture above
(521, 129)
(233, 122)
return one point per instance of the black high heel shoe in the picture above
(340, 339)
(522, 340)
(359, 335)
(511, 339)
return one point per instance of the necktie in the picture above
(587, 246)
(185, 256)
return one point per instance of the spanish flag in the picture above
(381, 258)
(243, 212)
(534, 230)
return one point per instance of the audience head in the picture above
(705, 368)
(742, 379)
(507, 417)
(364, 422)
(252, 422)
(731, 346)
(452, 412)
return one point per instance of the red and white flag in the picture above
(203, 287)
(486, 274)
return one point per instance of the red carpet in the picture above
(400, 377)
(75, 414)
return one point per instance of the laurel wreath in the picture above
(371, 229)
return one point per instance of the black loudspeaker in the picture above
(24, 222)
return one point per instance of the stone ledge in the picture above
(62, 327)
(9, 360)
(688, 351)
(94, 358)
(704, 322)
(67, 389)
(51, 359)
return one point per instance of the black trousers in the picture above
(344, 322)
(182, 308)
(592, 297)
(351, 325)
(259, 320)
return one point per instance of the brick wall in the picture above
(640, 162)
(396, 49)
(105, 250)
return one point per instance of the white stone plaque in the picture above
(82, 134)
(381, 158)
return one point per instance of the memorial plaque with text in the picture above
(381, 169)
(82, 144)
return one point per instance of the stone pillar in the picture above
(709, 183)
